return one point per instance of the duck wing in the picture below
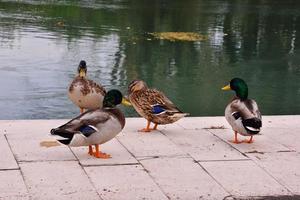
(159, 103)
(84, 124)
(249, 113)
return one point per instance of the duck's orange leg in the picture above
(155, 127)
(99, 154)
(250, 140)
(236, 141)
(91, 150)
(147, 129)
(81, 110)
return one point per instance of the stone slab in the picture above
(58, 180)
(281, 121)
(26, 147)
(120, 155)
(148, 144)
(7, 160)
(124, 182)
(29, 126)
(182, 178)
(12, 185)
(202, 122)
(288, 137)
(244, 178)
(135, 124)
(262, 143)
(284, 167)
(202, 145)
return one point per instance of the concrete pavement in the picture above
(190, 159)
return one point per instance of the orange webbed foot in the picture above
(145, 130)
(249, 141)
(236, 141)
(99, 154)
(102, 155)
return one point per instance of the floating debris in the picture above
(179, 36)
(49, 144)
(60, 23)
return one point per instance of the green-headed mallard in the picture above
(242, 113)
(153, 105)
(94, 127)
(85, 93)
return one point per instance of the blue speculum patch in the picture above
(87, 130)
(157, 109)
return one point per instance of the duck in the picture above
(94, 127)
(153, 105)
(85, 93)
(242, 113)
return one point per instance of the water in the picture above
(42, 42)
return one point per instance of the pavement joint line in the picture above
(32, 161)
(275, 179)
(229, 160)
(214, 178)
(254, 163)
(21, 172)
(162, 156)
(147, 171)
(90, 181)
(11, 169)
(195, 161)
(111, 165)
(153, 179)
(225, 141)
(181, 126)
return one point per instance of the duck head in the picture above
(239, 86)
(136, 85)
(82, 68)
(113, 98)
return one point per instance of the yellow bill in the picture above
(227, 87)
(82, 73)
(126, 102)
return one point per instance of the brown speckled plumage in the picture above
(143, 99)
(87, 86)
(85, 93)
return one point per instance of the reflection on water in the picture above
(42, 42)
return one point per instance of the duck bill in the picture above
(227, 87)
(82, 73)
(126, 102)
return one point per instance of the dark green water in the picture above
(258, 41)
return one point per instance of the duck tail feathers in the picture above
(178, 116)
(65, 142)
(61, 132)
(252, 125)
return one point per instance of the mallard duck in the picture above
(85, 93)
(242, 113)
(95, 127)
(153, 105)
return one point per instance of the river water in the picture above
(42, 42)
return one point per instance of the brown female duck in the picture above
(153, 105)
(85, 93)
